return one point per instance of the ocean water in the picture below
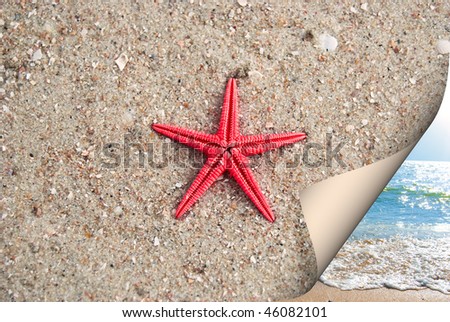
(403, 242)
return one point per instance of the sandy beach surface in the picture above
(323, 293)
(83, 219)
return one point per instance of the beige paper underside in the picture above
(333, 208)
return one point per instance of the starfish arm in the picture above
(207, 143)
(213, 168)
(240, 171)
(228, 126)
(257, 144)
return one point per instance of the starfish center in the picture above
(227, 151)
(229, 147)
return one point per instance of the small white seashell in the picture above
(242, 3)
(121, 61)
(327, 42)
(128, 117)
(118, 210)
(253, 74)
(37, 55)
(443, 46)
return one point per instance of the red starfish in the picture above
(227, 150)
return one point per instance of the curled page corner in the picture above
(333, 208)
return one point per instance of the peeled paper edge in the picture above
(333, 208)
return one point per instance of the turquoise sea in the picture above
(403, 242)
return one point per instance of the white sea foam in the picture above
(404, 240)
(403, 263)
